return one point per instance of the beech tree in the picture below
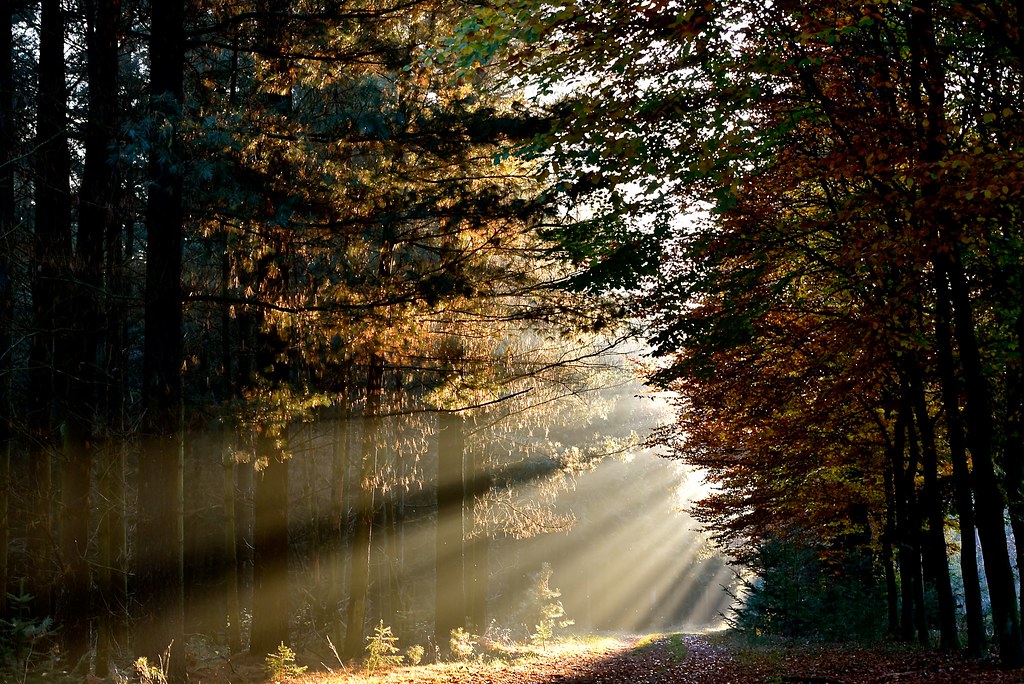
(829, 163)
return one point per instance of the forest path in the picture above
(675, 659)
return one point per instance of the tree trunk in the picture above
(393, 559)
(7, 222)
(230, 567)
(52, 263)
(112, 478)
(934, 538)
(1013, 451)
(976, 637)
(112, 589)
(96, 214)
(928, 65)
(990, 505)
(450, 603)
(270, 611)
(73, 608)
(891, 589)
(478, 552)
(338, 522)
(905, 537)
(230, 557)
(914, 531)
(244, 476)
(359, 577)
(159, 573)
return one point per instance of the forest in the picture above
(345, 326)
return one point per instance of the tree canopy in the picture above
(813, 209)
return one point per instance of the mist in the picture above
(576, 494)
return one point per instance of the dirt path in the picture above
(678, 659)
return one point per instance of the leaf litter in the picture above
(672, 659)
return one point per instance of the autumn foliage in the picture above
(814, 210)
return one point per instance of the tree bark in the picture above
(158, 560)
(990, 505)
(934, 538)
(450, 599)
(52, 272)
(112, 578)
(7, 222)
(97, 213)
(1013, 449)
(359, 577)
(339, 522)
(230, 557)
(891, 588)
(270, 607)
(478, 552)
(915, 554)
(928, 64)
(949, 387)
(906, 538)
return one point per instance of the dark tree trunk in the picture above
(229, 558)
(928, 65)
(478, 552)
(891, 588)
(934, 538)
(450, 604)
(270, 610)
(393, 560)
(7, 222)
(381, 594)
(338, 522)
(73, 607)
(204, 583)
(915, 560)
(159, 581)
(112, 576)
(908, 557)
(990, 505)
(52, 272)
(270, 499)
(113, 535)
(1013, 451)
(97, 214)
(230, 553)
(244, 476)
(949, 386)
(359, 577)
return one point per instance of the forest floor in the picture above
(657, 659)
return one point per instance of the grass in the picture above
(673, 643)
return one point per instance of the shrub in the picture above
(551, 613)
(414, 654)
(463, 644)
(798, 595)
(23, 637)
(282, 663)
(381, 651)
(148, 673)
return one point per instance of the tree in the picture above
(52, 254)
(158, 538)
(840, 150)
(450, 597)
(7, 221)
